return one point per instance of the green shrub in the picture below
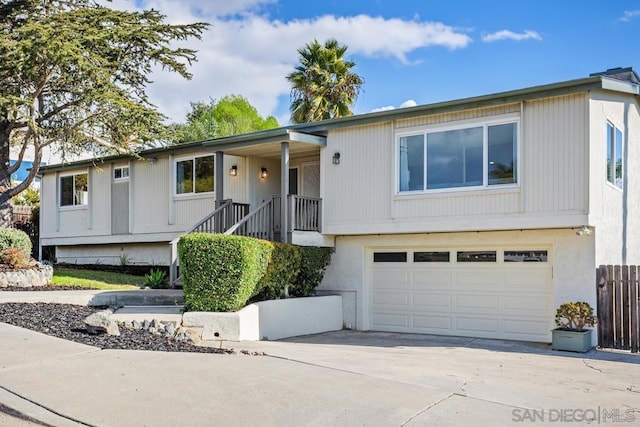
(575, 316)
(12, 238)
(313, 263)
(155, 279)
(282, 270)
(220, 272)
(14, 257)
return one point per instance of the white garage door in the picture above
(487, 293)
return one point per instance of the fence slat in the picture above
(605, 309)
(617, 307)
(634, 309)
(625, 307)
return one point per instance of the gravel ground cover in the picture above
(66, 321)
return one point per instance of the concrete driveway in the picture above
(342, 378)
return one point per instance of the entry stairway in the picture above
(233, 218)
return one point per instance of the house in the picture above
(475, 217)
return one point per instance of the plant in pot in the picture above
(573, 319)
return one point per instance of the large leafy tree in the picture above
(231, 115)
(74, 74)
(323, 85)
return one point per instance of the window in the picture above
(614, 155)
(476, 256)
(431, 257)
(525, 256)
(121, 173)
(479, 156)
(74, 190)
(389, 257)
(195, 175)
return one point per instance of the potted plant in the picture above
(573, 319)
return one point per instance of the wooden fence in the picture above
(618, 307)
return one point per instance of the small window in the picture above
(431, 257)
(525, 256)
(121, 172)
(389, 257)
(74, 190)
(195, 175)
(614, 156)
(476, 256)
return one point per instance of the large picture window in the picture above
(74, 190)
(614, 155)
(195, 175)
(478, 156)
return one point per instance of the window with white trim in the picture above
(121, 173)
(480, 156)
(195, 175)
(74, 190)
(614, 155)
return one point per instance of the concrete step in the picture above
(143, 297)
(163, 313)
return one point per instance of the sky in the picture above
(409, 52)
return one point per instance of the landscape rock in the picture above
(37, 275)
(101, 322)
(136, 325)
(170, 329)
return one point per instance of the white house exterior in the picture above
(475, 217)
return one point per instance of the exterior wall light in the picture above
(585, 230)
(234, 170)
(336, 158)
(264, 172)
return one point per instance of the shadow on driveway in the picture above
(408, 341)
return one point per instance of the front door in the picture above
(120, 200)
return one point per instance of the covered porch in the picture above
(280, 173)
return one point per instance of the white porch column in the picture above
(219, 178)
(284, 191)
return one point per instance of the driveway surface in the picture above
(336, 379)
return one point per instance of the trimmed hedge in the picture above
(13, 238)
(282, 271)
(220, 272)
(313, 263)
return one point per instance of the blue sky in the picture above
(419, 51)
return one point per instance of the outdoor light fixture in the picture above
(264, 172)
(234, 170)
(336, 158)
(153, 160)
(585, 230)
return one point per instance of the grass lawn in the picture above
(104, 280)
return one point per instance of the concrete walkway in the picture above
(337, 379)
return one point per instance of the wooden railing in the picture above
(258, 224)
(219, 221)
(305, 213)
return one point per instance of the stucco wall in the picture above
(573, 259)
(115, 254)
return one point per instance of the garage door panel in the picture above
(390, 278)
(476, 303)
(477, 324)
(532, 327)
(432, 301)
(399, 299)
(525, 279)
(472, 279)
(432, 324)
(486, 300)
(391, 320)
(536, 305)
(433, 279)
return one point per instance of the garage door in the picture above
(487, 293)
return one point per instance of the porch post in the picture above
(219, 178)
(284, 192)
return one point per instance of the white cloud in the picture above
(248, 53)
(405, 104)
(510, 35)
(629, 15)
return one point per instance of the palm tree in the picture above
(323, 85)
